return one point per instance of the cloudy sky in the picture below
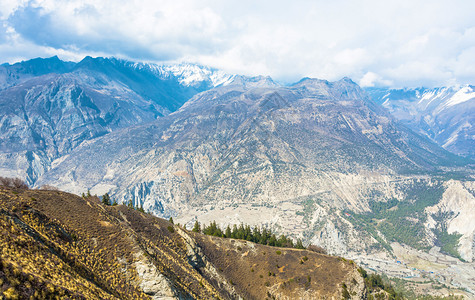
(375, 42)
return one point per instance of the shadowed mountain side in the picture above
(49, 107)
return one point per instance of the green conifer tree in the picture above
(106, 199)
(228, 232)
(196, 227)
(299, 244)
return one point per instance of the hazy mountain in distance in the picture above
(446, 115)
(13, 74)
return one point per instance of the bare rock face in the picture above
(456, 213)
(153, 283)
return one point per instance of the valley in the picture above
(315, 160)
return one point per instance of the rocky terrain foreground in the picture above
(55, 244)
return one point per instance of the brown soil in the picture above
(260, 272)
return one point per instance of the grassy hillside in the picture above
(58, 245)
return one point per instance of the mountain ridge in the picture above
(445, 114)
(49, 106)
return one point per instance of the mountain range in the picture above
(360, 172)
(49, 106)
(445, 114)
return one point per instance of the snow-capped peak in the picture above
(192, 74)
(189, 74)
(465, 94)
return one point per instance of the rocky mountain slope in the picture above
(56, 244)
(443, 114)
(293, 158)
(49, 107)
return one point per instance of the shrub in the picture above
(11, 293)
(16, 183)
(345, 293)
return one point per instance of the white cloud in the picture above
(371, 79)
(400, 43)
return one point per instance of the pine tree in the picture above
(88, 193)
(106, 199)
(256, 235)
(196, 227)
(228, 232)
(234, 233)
(130, 204)
(272, 240)
(299, 244)
(170, 220)
(247, 233)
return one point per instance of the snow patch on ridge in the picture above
(190, 74)
(463, 95)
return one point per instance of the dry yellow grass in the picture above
(54, 245)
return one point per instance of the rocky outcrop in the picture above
(152, 282)
(455, 213)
